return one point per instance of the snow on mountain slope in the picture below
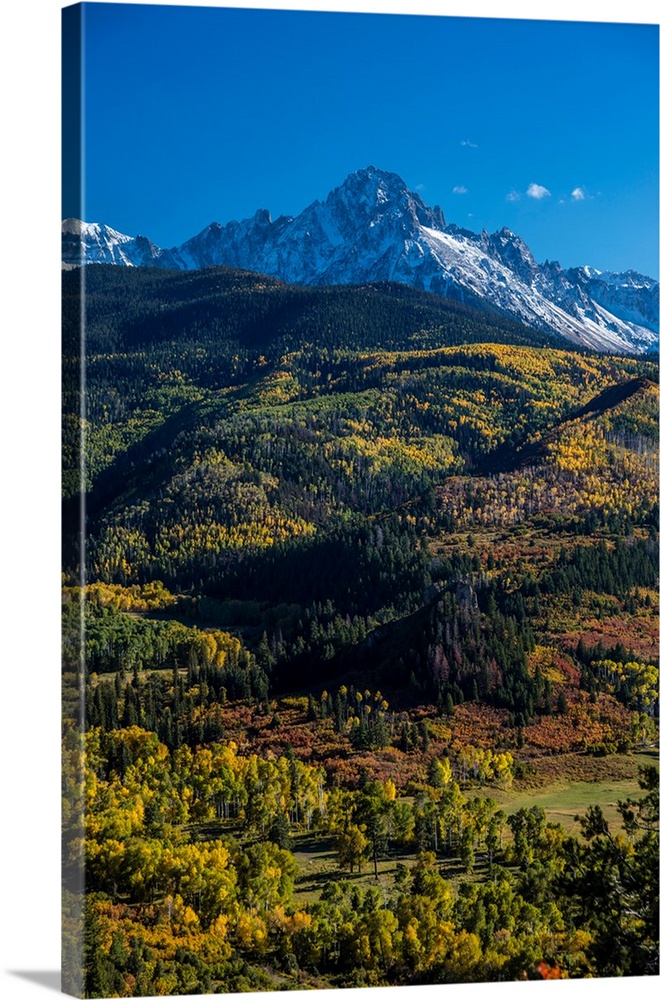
(96, 243)
(373, 228)
(543, 300)
(629, 295)
(92, 242)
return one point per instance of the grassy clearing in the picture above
(562, 800)
(566, 797)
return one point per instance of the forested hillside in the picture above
(364, 571)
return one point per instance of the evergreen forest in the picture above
(360, 641)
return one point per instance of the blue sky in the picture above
(200, 114)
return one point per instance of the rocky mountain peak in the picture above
(372, 227)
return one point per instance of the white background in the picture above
(29, 485)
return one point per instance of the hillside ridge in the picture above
(373, 228)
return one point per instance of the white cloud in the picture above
(513, 196)
(471, 145)
(459, 189)
(577, 194)
(420, 187)
(537, 191)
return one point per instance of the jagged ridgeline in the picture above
(373, 228)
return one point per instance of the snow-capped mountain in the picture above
(630, 295)
(96, 243)
(373, 228)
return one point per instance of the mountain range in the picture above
(373, 228)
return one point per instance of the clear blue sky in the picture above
(195, 115)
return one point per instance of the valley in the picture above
(370, 607)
